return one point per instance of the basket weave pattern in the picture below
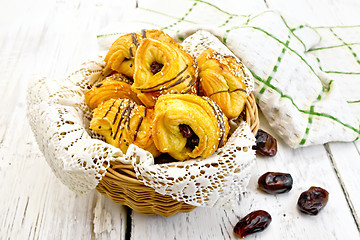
(121, 185)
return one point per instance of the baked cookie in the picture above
(115, 86)
(121, 54)
(222, 80)
(162, 68)
(122, 122)
(188, 126)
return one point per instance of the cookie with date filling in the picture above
(161, 68)
(121, 54)
(188, 126)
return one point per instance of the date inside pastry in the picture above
(188, 126)
(162, 68)
(121, 54)
(114, 86)
(222, 80)
(122, 122)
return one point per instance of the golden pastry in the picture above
(160, 36)
(114, 86)
(188, 126)
(120, 56)
(222, 80)
(122, 122)
(162, 68)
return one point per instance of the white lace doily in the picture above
(212, 182)
(60, 120)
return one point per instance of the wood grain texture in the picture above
(345, 159)
(49, 38)
(308, 167)
(311, 166)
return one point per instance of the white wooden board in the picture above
(308, 167)
(344, 156)
(53, 37)
(47, 38)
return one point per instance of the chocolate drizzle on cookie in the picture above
(178, 81)
(190, 85)
(153, 88)
(134, 39)
(107, 112)
(143, 33)
(228, 91)
(125, 117)
(238, 89)
(220, 119)
(118, 111)
(131, 53)
(141, 118)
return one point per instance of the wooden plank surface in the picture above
(345, 157)
(308, 166)
(54, 37)
(47, 38)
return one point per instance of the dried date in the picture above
(254, 222)
(164, 158)
(156, 67)
(313, 200)
(265, 144)
(192, 140)
(275, 182)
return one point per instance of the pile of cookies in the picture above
(162, 99)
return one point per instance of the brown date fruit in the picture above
(192, 139)
(265, 144)
(156, 67)
(254, 222)
(275, 182)
(164, 158)
(313, 200)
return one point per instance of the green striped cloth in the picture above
(307, 78)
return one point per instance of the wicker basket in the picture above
(121, 185)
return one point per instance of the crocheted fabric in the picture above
(60, 120)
